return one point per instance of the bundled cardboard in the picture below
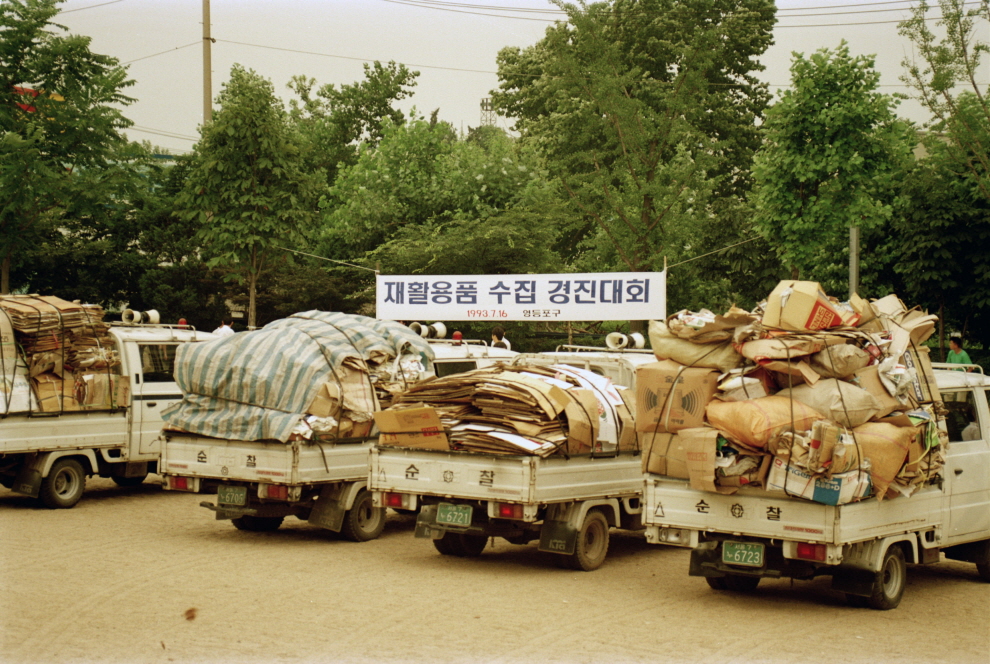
(802, 306)
(755, 422)
(671, 397)
(837, 400)
(54, 393)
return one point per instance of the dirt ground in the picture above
(141, 575)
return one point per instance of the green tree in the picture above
(643, 110)
(60, 118)
(834, 149)
(336, 120)
(248, 188)
(961, 117)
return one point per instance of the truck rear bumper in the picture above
(706, 560)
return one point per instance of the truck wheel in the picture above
(888, 585)
(363, 521)
(741, 584)
(984, 570)
(460, 545)
(64, 485)
(592, 543)
(716, 582)
(129, 481)
(257, 524)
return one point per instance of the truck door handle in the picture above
(958, 471)
(155, 403)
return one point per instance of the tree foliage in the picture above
(943, 66)
(60, 122)
(336, 120)
(248, 188)
(833, 153)
(643, 109)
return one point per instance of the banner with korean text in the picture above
(525, 297)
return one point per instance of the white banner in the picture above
(525, 297)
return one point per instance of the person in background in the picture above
(225, 328)
(500, 344)
(956, 353)
(498, 334)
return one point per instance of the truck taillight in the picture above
(177, 483)
(809, 551)
(510, 511)
(394, 500)
(275, 492)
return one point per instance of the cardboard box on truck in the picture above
(671, 397)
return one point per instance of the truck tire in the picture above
(64, 485)
(130, 481)
(592, 543)
(984, 571)
(257, 524)
(460, 545)
(734, 582)
(363, 521)
(888, 585)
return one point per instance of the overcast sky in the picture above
(451, 43)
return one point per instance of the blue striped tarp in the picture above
(257, 385)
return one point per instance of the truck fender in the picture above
(348, 496)
(868, 556)
(560, 528)
(335, 499)
(43, 462)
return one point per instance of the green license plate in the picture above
(232, 495)
(454, 515)
(749, 554)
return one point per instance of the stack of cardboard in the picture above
(824, 400)
(519, 410)
(64, 349)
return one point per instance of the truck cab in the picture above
(466, 355)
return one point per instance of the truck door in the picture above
(967, 464)
(156, 392)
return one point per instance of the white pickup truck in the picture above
(568, 505)
(49, 455)
(738, 539)
(260, 483)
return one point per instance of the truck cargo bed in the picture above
(523, 479)
(298, 462)
(672, 503)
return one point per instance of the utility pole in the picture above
(853, 260)
(207, 66)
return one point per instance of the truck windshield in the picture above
(158, 363)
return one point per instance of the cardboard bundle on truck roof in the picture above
(525, 410)
(799, 407)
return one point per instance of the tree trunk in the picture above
(5, 275)
(941, 331)
(252, 287)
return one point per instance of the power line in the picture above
(162, 132)
(80, 9)
(346, 57)
(145, 57)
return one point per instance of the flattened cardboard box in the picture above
(701, 445)
(671, 397)
(924, 389)
(663, 454)
(413, 427)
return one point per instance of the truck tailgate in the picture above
(670, 502)
(526, 479)
(290, 463)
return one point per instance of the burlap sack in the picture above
(667, 346)
(886, 446)
(837, 400)
(755, 422)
